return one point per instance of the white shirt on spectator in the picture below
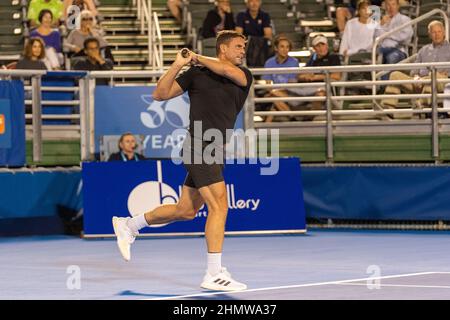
(399, 39)
(357, 37)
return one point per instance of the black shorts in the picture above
(201, 174)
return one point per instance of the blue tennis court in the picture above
(322, 264)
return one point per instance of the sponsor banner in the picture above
(12, 123)
(163, 123)
(256, 202)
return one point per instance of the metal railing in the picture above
(330, 122)
(327, 126)
(157, 57)
(144, 15)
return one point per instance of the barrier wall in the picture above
(257, 203)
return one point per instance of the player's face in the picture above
(437, 34)
(128, 143)
(235, 51)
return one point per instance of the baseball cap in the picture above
(319, 39)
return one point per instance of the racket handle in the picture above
(185, 53)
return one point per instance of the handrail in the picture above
(158, 44)
(407, 24)
(144, 8)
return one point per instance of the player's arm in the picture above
(222, 68)
(167, 87)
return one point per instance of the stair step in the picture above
(122, 52)
(136, 37)
(138, 29)
(135, 23)
(104, 10)
(144, 44)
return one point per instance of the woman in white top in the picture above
(358, 33)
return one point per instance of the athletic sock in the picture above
(137, 223)
(214, 263)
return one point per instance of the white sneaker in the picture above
(222, 282)
(125, 237)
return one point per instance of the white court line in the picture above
(208, 294)
(394, 285)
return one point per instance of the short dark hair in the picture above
(362, 3)
(43, 13)
(225, 36)
(89, 40)
(29, 45)
(280, 38)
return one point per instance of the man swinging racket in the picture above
(218, 88)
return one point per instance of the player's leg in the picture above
(217, 277)
(126, 229)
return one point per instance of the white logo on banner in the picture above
(151, 194)
(174, 111)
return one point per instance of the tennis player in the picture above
(217, 88)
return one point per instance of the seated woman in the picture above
(358, 33)
(51, 38)
(88, 29)
(33, 56)
(127, 146)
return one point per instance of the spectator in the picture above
(320, 58)
(127, 146)
(36, 6)
(394, 48)
(282, 46)
(175, 9)
(437, 51)
(75, 41)
(343, 14)
(281, 59)
(33, 55)
(218, 19)
(51, 37)
(93, 61)
(358, 33)
(81, 4)
(254, 22)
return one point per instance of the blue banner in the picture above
(133, 109)
(12, 123)
(377, 193)
(256, 202)
(5, 124)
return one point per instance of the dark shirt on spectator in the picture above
(253, 27)
(120, 156)
(27, 64)
(213, 23)
(84, 64)
(326, 61)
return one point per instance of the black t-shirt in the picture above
(326, 61)
(215, 100)
(253, 27)
(212, 22)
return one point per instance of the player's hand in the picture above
(182, 61)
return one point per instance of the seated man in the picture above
(93, 60)
(36, 6)
(218, 19)
(394, 48)
(254, 23)
(320, 58)
(437, 51)
(127, 147)
(282, 46)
